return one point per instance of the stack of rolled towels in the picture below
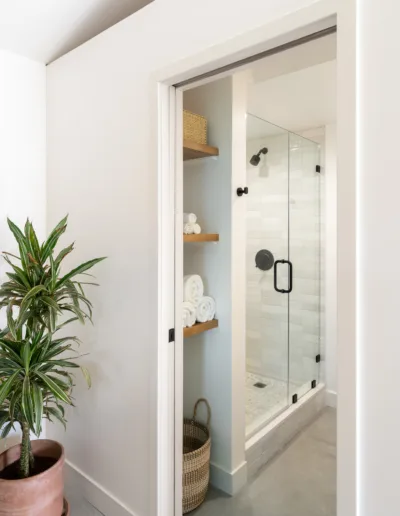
(196, 306)
(190, 226)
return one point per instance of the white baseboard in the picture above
(229, 482)
(94, 493)
(331, 399)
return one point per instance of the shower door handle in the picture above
(290, 286)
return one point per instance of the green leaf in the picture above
(52, 240)
(79, 270)
(53, 271)
(6, 430)
(38, 406)
(10, 320)
(35, 290)
(19, 236)
(87, 376)
(32, 240)
(6, 387)
(19, 272)
(26, 355)
(55, 389)
(56, 412)
(62, 254)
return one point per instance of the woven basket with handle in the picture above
(196, 459)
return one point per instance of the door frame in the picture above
(168, 127)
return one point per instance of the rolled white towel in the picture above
(196, 229)
(189, 217)
(205, 310)
(188, 314)
(188, 228)
(193, 288)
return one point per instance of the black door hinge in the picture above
(313, 384)
(294, 398)
(318, 359)
(171, 335)
(318, 168)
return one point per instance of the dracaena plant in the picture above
(36, 363)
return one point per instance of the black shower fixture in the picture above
(255, 160)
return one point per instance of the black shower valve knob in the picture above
(241, 191)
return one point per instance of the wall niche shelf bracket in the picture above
(193, 150)
(203, 237)
(200, 328)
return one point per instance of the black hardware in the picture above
(241, 191)
(294, 398)
(318, 359)
(264, 260)
(260, 385)
(318, 168)
(290, 287)
(171, 335)
(255, 160)
(313, 384)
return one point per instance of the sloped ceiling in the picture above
(44, 30)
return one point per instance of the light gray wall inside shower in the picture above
(283, 336)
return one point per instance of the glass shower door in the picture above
(305, 255)
(267, 240)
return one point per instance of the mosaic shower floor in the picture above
(263, 403)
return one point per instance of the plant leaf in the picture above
(87, 376)
(55, 389)
(6, 386)
(79, 270)
(38, 406)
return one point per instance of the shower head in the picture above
(255, 160)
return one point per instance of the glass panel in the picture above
(267, 335)
(304, 253)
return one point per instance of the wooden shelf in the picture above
(200, 328)
(203, 237)
(193, 150)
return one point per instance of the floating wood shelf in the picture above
(193, 150)
(203, 237)
(200, 328)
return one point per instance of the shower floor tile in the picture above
(263, 403)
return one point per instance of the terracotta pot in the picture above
(41, 495)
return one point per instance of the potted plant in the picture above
(36, 364)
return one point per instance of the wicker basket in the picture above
(196, 460)
(194, 127)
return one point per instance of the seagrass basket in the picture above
(194, 127)
(196, 460)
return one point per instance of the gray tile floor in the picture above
(301, 481)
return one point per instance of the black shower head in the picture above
(255, 160)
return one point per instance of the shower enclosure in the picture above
(283, 283)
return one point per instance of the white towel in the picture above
(189, 217)
(196, 229)
(188, 314)
(205, 310)
(193, 288)
(188, 228)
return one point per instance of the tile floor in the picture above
(301, 481)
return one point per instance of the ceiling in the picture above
(295, 89)
(297, 101)
(44, 30)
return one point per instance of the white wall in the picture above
(22, 149)
(214, 365)
(102, 170)
(378, 240)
